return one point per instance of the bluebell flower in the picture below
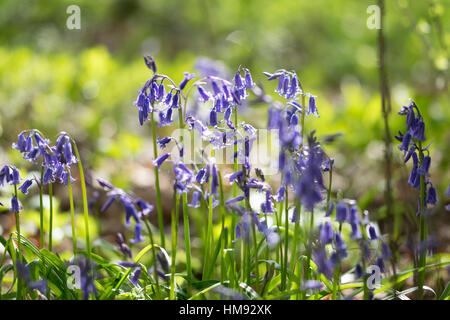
(14, 178)
(293, 87)
(432, 196)
(248, 80)
(326, 233)
(330, 209)
(137, 233)
(165, 119)
(175, 100)
(418, 131)
(187, 77)
(203, 94)
(195, 201)
(356, 234)
(214, 179)
(235, 176)
(341, 247)
(423, 169)
(160, 160)
(123, 247)
(130, 210)
(150, 63)
(200, 177)
(162, 142)
(405, 142)
(412, 149)
(238, 80)
(144, 206)
(234, 200)
(48, 176)
(286, 82)
(267, 206)
(324, 265)
(213, 117)
(161, 91)
(135, 278)
(372, 233)
(105, 184)
(280, 84)
(354, 217)
(216, 89)
(294, 120)
(25, 186)
(280, 195)
(272, 238)
(312, 106)
(168, 99)
(15, 205)
(127, 264)
(227, 114)
(341, 212)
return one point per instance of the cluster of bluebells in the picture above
(301, 166)
(11, 175)
(224, 96)
(135, 208)
(374, 250)
(411, 142)
(55, 160)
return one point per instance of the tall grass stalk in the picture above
(85, 200)
(72, 214)
(41, 209)
(50, 231)
(158, 190)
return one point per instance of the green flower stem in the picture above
(308, 249)
(85, 201)
(286, 242)
(235, 189)
(255, 252)
(236, 168)
(187, 235)
(223, 233)
(296, 233)
(422, 227)
(72, 214)
(155, 270)
(175, 216)
(209, 235)
(41, 208)
(19, 248)
(19, 244)
(50, 232)
(158, 190)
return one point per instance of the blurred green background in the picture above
(85, 81)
